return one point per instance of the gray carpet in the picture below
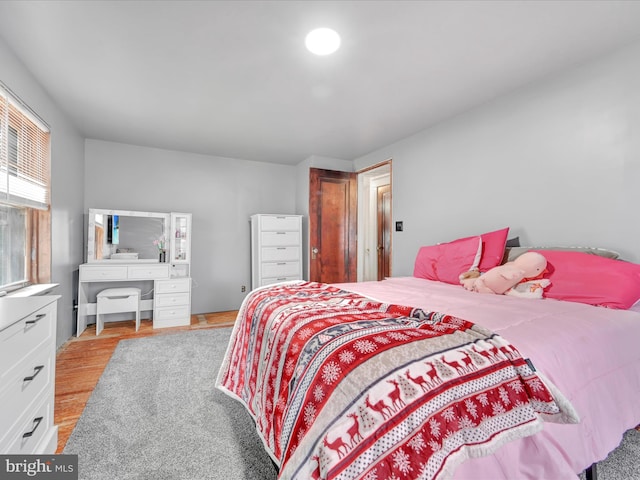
(155, 414)
(624, 462)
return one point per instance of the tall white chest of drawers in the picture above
(276, 249)
(27, 374)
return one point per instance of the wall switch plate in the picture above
(399, 226)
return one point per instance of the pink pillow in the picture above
(446, 261)
(493, 245)
(591, 279)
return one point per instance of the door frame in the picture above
(383, 207)
(367, 256)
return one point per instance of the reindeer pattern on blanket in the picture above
(343, 387)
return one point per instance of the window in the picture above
(25, 212)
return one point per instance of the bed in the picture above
(559, 379)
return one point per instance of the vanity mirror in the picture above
(126, 236)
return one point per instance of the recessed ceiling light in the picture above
(322, 41)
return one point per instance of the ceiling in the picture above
(233, 78)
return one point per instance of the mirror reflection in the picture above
(125, 235)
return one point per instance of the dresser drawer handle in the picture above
(36, 421)
(39, 317)
(36, 371)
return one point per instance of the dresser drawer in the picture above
(280, 269)
(148, 272)
(102, 272)
(278, 254)
(33, 428)
(173, 285)
(22, 389)
(169, 313)
(169, 299)
(269, 281)
(280, 222)
(275, 239)
(175, 316)
(24, 337)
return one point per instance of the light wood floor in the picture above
(81, 361)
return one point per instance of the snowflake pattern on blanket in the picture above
(344, 387)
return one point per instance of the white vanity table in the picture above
(135, 232)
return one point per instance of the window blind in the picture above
(24, 154)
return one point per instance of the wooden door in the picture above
(332, 226)
(384, 231)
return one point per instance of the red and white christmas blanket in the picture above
(344, 387)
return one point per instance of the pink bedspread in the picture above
(592, 354)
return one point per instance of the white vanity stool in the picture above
(117, 300)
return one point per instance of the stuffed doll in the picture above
(499, 280)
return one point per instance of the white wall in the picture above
(558, 162)
(67, 187)
(221, 193)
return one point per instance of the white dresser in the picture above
(276, 249)
(27, 374)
